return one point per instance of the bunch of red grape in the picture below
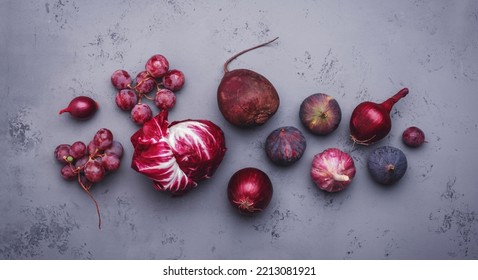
(155, 78)
(89, 164)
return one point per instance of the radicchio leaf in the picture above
(178, 155)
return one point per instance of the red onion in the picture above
(371, 122)
(332, 170)
(178, 155)
(81, 107)
(413, 136)
(250, 190)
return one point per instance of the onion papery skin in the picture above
(332, 170)
(250, 190)
(246, 98)
(370, 122)
(387, 165)
(177, 156)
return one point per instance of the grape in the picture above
(103, 138)
(115, 149)
(62, 151)
(92, 147)
(110, 162)
(173, 80)
(94, 171)
(67, 173)
(79, 163)
(120, 79)
(99, 159)
(165, 99)
(126, 99)
(78, 150)
(144, 82)
(156, 77)
(141, 113)
(157, 65)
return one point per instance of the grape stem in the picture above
(146, 96)
(158, 85)
(91, 196)
(87, 188)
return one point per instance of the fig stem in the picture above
(244, 51)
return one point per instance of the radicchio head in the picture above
(178, 155)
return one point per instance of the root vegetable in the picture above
(246, 98)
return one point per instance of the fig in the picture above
(285, 145)
(320, 113)
(387, 165)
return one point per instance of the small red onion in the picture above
(81, 107)
(332, 170)
(413, 136)
(250, 190)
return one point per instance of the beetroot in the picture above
(246, 98)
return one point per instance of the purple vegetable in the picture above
(177, 156)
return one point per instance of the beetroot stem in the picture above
(244, 51)
(94, 200)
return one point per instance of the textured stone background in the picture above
(54, 50)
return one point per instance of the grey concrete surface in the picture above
(54, 50)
